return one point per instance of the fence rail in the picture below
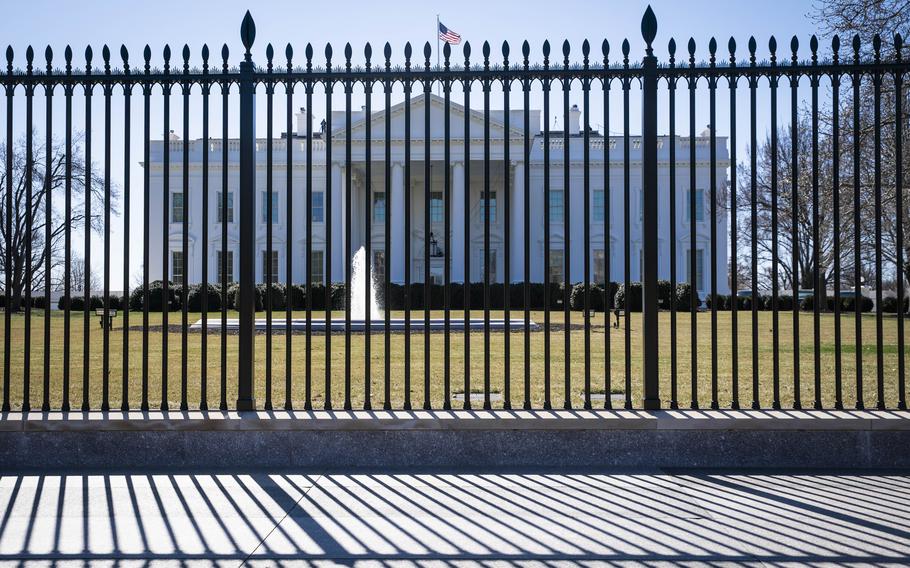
(759, 210)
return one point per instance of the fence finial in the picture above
(248, 34)
(649, 29)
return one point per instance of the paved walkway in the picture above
(689, 517)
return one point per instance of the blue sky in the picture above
(135, 24)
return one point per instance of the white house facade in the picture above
(409, 248)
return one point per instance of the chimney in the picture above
(574, 120)
(172, 136)
(301, 122)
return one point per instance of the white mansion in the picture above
(390, 201)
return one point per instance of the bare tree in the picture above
(26, 234)
(77, 276)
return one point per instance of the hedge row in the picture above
(613, 297)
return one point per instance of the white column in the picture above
(397, 254)
(517, 221)
(456, 248)
(337, 214)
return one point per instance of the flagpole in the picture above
(437, 51)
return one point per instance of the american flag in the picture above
(448, 36)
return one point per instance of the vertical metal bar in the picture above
(650, 300)
(29, 233)
(879, 329)
(753, 200)
(818, 282)
(712, 192)
(269, 224)
(308, 373)
(466, 209)
(586, 188)
(227, 214)
(7, 312)
(693, 267)
(835, 190)
(206, 87)
(671, 95)
(387, 233)
(48, 187)
(407, 230)
(507, 236)
(486, 229)
(857, 259)
(146, 226)
(427, 198)
(775, 321)
(608, 241)
(329, 204)
(734, 234)
(185, 247)
(247, 189)
(289, 224)
(348, 252)
(526, 91)
(627, 248)
(127, 212)
(794, 216)
(165, 227)
(447, 270)
(68, 228)
(106, 353)
(368, 231)
(567, 247)
(87, 224)
(899, 204)
(545, 85)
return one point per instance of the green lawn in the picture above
(319, 360)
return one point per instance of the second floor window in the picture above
(483, 206)
(178, 209)
(556, 206)
(378, 206)
(436, 207)
(264, 209)
(317, 213)
(699, 205)
(599, 206)
(230, 207)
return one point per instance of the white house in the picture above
(391, 201)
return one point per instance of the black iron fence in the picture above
(749, 216)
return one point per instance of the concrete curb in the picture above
(456, 439)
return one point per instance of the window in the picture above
(378, 206)
(266, 265)
(378, 266)
(699, 268)
(225, 266)
(557, 263)
(699, 205)
(599, 206)
(436, 207)
(556, 206)
(230, 207)
(600, 273)
(177, 266)
(317, 271)
(491, 266)
(317, 213)
(483, 206)
(641, 205)
(177, 207)
(264, 209)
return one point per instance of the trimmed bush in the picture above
(156, 297)
(628, 301)
(685, 296)
(596, 297)
(278, 295)
(890, 305)
(197, 293)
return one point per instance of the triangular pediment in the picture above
(418, 122)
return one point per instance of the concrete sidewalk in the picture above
(270, 518)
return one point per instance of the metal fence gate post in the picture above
(649, 214)
(247, 298)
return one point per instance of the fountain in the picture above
(361, 279)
